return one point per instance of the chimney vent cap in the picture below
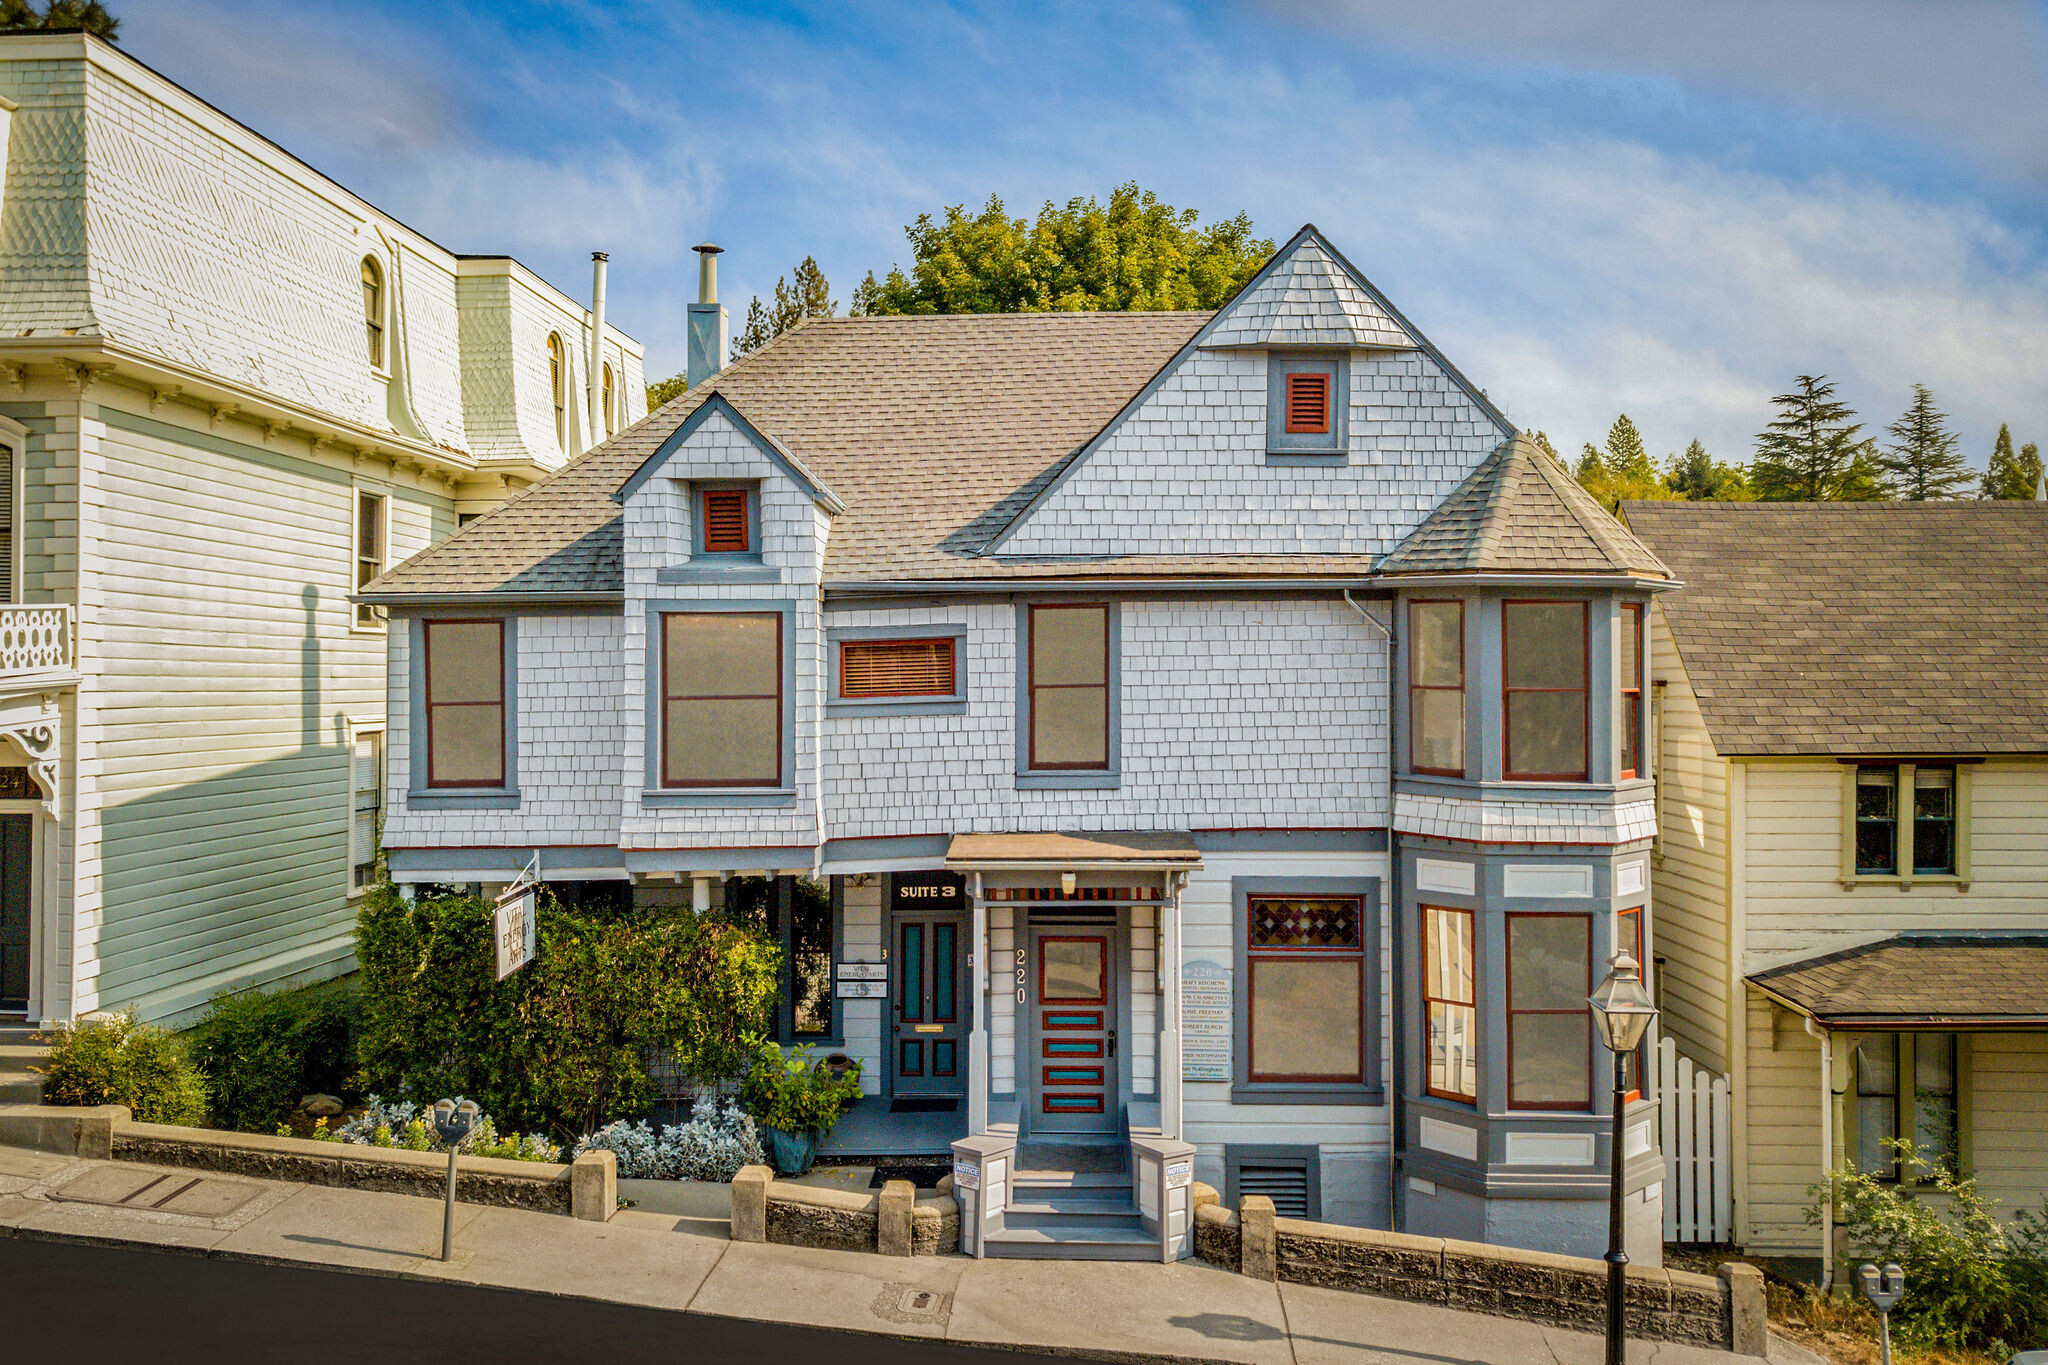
(708, 248)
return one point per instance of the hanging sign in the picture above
(1204, 1021)
(513, 922)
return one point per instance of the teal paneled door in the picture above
(1074, 1075)
(17, 859)
(928, 1005)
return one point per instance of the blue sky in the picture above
(1591, 206)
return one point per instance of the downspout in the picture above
(594, 382)
(1827, 1152)
(1396, 1014)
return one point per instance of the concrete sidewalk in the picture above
(680, 1260)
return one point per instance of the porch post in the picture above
(1169, 1015)
(977, 1037)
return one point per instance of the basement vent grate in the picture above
(1285, 1184)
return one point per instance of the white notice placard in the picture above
(1204, 1021)
(863, 971)
(1179, 1174)
(513, 929)
(861, 990)
(966, 1177)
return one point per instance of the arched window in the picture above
(610, 421)
(558, 384)
(373, 310)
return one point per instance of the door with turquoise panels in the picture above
(1072, 1079)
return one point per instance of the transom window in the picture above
(1905, 1091)
(1905, 816)
(724, 512)
(1436, 687)
(1068, 682)
(373, 311)
(1550, 1029)
(1543, 656)
(1308, 404)
(1306, 956)
(896, 668)
(1450, 1003)
(721, 699)
(1628, 708)
(464, 673)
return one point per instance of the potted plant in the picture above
(796, 1101)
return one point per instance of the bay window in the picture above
(1543, 659)
(1450, 1004)
(1550, 1030)
(1628, 705)
(1436, 688)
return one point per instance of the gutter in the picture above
(940, 587)
(485, 601)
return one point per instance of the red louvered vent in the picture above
(1308, 404)
(725, 521)
(896, 668)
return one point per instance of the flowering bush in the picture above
(395, 1123)
(713, 1145)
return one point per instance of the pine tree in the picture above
(1698, 476)
(1864, 480)
(1922, 459)
(2011, 477)
(1542, 440)
(809, 297)
(1809, 452)
(1592, 465)
(1626, 458)
(19, 16)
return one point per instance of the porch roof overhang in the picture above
(1090, 851)
(1963, 982)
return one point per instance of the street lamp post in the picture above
(1622, 1011)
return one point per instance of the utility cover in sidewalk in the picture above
(910, 1303)
(164, 1192)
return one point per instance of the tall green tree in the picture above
(1131, 253)
(1621, 470)
(21, 16)
(808, 297)
(1698, 476)
(2009, 476)
(1542, 440)
(1922, 459)
(1810, 452)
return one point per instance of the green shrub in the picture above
(794, 1093)
(560, 1045)
(118, 1061)
(264, 1051)
(1973, 1281)
(410, 1126)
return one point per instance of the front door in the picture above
(1074, 1074)
(17, 858)
(928, 1002)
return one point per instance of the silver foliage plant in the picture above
(397, 1123)
(713, 1145)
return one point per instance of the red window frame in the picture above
(1254, 954)
(1101, 996)
(1415, 711)
(1033, 687)
(1508, 693)
(1629, 924)
(727, 502)
(1629, 710)
(948, 647)
(1307, 403)
(668, 696)
(1580, 1011)
(1472, 941)
(431, 707)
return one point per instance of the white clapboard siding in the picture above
(1699, 1151)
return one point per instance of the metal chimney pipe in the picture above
(707, 271)
(598, 416)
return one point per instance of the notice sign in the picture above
(861, 990)
(1180, 1174)
(514, 931)
(966, 1177)
(1204, 1021)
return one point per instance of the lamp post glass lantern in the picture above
(1622, 1012)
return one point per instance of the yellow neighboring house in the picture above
(1851, 870)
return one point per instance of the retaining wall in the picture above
(892, 1221)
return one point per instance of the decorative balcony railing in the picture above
(35, 639)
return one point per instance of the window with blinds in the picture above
(896, 668)
(1308, 403)
(366, 806)
(725, 521)
(6, 523)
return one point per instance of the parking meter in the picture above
(1883, 1288)
(454, 1123)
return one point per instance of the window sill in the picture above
(738, 569)
(443, 798)
(1933, 879)
(907, 706)
(1335, 459)
(1086, 780)
(1308, 1094)
(665, 797)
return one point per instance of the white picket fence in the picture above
(1699, 1165)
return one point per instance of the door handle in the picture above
(1112, 1042)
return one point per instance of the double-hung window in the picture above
(1436, 688)
(1450, 1004)
(366, 807)
(372, 531)
(1543, 660)
(464, 685)
(1628, 703)
(721, 699)
(1550, 1029)
(1068, 687)
(1306, 958)
(1905, 820)
(1628, 937)
(1905, 1091)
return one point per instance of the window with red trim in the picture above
(464, 677)
(721, 699)
(1628, 937)
(1068, 683)
(724, 511)
(1543, 690)
(1628, 710)
(1550, 1029)
(896, 668)
(1308, 403)
(1306, 996)
(1436, 688)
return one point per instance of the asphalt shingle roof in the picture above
(1860, 628)
(1919, 979)
(1520, 512)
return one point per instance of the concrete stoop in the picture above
(1070, 1216)
(20, 1049)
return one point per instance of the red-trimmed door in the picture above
(1073, 1077)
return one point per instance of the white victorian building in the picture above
(1216, 734)
(231, 392)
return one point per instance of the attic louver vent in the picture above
(725, 521)
(1286, 1185)
(1308, 404)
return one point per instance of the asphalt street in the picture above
(63, 1301)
